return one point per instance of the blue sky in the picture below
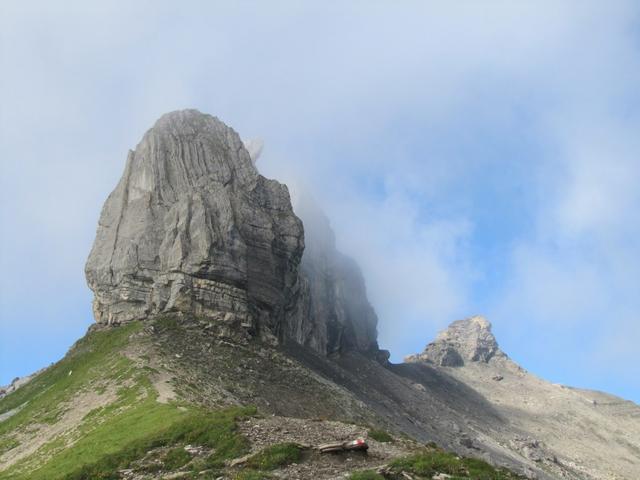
(474, 157)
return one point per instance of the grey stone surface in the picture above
(463, 341)
(192, 227)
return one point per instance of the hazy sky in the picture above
(473, 156)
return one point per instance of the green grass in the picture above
(430, 462)
(380, 435)
(7, 444)
(275, 456)
(95, 356)
(216, 430)
(175, 458)
(366, 475)
(116, 444)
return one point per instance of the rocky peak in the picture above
(468, 340)
(193, 229)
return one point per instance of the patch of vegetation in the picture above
(366, 475)
(7, 444)
(482, 470)
(275, 456)
(430, 462)
(93, 357)
(167, 323)
(380, 435)
(126, 438)
(175, 458)
(215, 430)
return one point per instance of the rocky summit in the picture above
(463, 341)
(193, 228)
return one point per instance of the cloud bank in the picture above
(480, 157)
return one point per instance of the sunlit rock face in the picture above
(193, 228)
(464, 341)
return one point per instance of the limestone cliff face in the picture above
(192, 227)
(463, 341)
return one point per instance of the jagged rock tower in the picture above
(464, 341)
(193, 228)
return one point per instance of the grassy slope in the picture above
(91, 361)
(113, 436)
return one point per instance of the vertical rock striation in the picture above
(193, 228)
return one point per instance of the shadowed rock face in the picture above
(337, 314)
(463, 341)
(192, 227)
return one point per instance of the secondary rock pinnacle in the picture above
(463, 341)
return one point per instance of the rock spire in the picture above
(464, 341)
(192, 228)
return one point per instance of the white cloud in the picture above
(405, 120)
